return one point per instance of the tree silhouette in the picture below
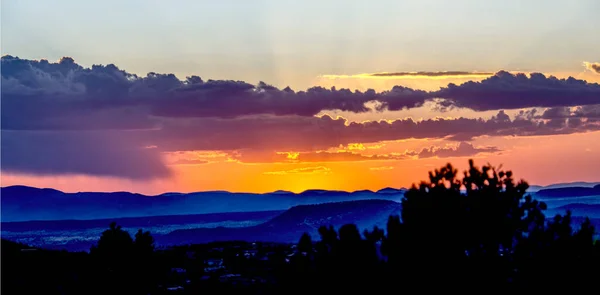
(144, 242)
(125, 263)
(114, 247)
(473, 228)
(305, 244)
(462, 233)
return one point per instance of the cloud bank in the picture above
(65, 95)
(62, 118)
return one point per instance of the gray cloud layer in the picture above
(91, 153)
(464, 149)
(61, 118)
(64, 95)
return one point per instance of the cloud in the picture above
(433, 74)
(304, 170)
(507, 91)
(82, 151)
(311, 157)
(464, 149)
(414, 75)
(592, 66)
(61, 118)
(195, 157)
(588, 112)
(40, 95)
(91, 153)
(304, 134)
(189, 162)
(65, 95)
(381, 168)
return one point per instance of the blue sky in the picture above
(290, 42)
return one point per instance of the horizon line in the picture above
(269, 192)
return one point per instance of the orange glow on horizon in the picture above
(531, 158)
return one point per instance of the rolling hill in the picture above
(577, 209)
(22, 203)
(291, 224)
(564, 192)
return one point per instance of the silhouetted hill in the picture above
(138, 222)
(288, 226)
(535, 188)
(22, 203)
(389, 190)
(569, 192)
(578, 209)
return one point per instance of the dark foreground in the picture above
(342, 261)
(493, 238)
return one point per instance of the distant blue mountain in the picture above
(22, 203)
(274, 226)
(563, 192)
(389, 190)
(577, 209)
(535, 188)
(139, 222)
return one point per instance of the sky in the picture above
(258, 96)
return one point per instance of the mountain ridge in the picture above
(23, 203)
(288, 226)
(532, 188)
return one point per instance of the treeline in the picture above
(117, 264)
(491, 236)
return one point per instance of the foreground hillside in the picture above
(288, 226)
(575, 191)
(276, 226)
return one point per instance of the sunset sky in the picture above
(258, 96)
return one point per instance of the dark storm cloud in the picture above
(91, 153)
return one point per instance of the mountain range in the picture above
(535, 188)
(23, 203)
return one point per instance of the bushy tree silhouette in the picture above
(114, 248)
(465, 233)
(472, 233)
(143, 243)
(568, 258)
(125, 264)
(305, 244)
